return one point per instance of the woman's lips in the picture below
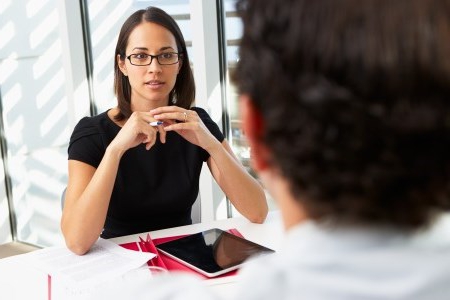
(154, 84)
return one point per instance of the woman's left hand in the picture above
(186, 123)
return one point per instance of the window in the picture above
(232, 35)
(56, 66)
(39, 82)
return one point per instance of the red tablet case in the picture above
(166, 262)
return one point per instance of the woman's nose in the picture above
(154, 66)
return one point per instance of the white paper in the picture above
(104, 262)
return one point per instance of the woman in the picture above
(136, 167)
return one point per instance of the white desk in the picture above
(17, 281)
(268, 234)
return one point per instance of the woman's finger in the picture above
(180, 116)
(150, 138)
(162, 134)
(181, 126)
(150, 144)
(166, 109)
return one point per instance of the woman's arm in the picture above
(89, 189)
(241, 188)
(87, 200)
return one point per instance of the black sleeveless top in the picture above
(154, 189)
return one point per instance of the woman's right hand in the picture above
(137, 130)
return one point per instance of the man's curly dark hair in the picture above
(355, 97)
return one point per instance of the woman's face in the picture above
(154, 82)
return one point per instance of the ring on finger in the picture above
(185, 116)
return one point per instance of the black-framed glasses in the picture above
(142, 59)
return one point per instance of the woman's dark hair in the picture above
(183, 93)
(355, 97)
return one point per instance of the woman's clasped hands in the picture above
(186, 123)
(137, 129)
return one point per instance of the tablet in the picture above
(212, 252)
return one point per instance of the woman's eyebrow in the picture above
(165, 48)
(139, 48)
(146, 49)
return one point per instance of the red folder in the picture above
(166, 262)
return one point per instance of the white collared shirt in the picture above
(343, 263)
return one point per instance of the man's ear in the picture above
(122, 65)
(253, 128)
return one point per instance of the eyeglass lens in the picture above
(146, 59)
